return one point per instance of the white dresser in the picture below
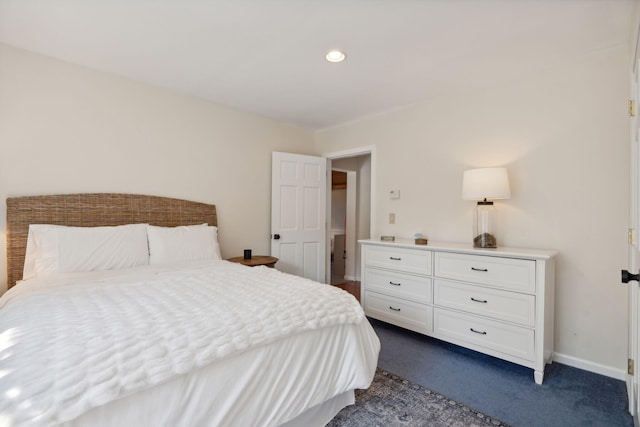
(496, 301)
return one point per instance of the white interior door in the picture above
(298, 214)
(633, 385)
(633, 379)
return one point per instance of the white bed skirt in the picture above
(302, 380)
(320, 415)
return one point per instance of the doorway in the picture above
(357, 199)
(338, 225)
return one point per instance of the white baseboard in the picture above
(586, 365)
(351, 278)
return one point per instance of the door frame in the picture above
(353, 152)
(633, 262)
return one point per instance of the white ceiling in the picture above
(267, 56)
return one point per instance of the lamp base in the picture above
(484, 226)
(485, 240)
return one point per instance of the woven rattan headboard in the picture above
(92, 210)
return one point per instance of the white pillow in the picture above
(41, 250)
(174, 245)
(57, 249)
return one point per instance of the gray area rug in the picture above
(393, 401)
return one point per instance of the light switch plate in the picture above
(394, 194)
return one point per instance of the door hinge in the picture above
(632, 108)
(630, 366)
(631, 236)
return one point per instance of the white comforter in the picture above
(74, 342)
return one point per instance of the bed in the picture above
(178, 339)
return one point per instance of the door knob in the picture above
(276, 237)
(627, 277)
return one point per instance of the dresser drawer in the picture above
(507, 273)
(408, 260)
(507, 339)
(502, 305)
(407, 314)
(400, 285)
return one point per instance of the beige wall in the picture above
(67, 129)
(563, 134)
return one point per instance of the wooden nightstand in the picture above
(269, 261)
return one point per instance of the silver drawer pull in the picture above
(395, 284)
(484, 301)
(479, 269)
(478, 332)
(394, 309)
(395, 259)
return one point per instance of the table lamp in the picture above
(482, 184)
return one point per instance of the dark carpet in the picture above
(393, 401)
(568, 396)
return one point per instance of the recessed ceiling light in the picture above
(335, 56)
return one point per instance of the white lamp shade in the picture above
(485, 183)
